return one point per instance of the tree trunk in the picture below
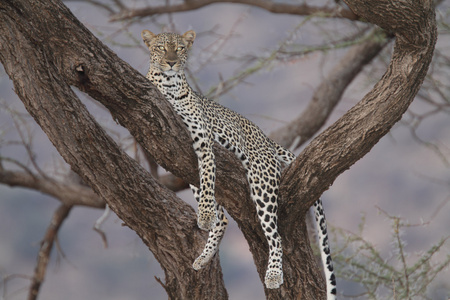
(45, 50)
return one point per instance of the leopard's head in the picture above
(168, 51)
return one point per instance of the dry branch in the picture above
(58, 218)
(271, 6)
(67, 193)
(329, 93)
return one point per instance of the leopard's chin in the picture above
(170, 71)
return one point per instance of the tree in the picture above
(60, 52)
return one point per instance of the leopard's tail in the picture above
(327, 262)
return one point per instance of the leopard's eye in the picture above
(180, 48)
(161, 48)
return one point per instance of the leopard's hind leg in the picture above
(214, 238)
(264, 193)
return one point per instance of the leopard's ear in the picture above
(147, 36)
(188, 38)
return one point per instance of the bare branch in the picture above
(67, 193)
(17, 163)
(98, 225)
(271, 6)
(26, 140)
(98, 4)
(58, 218)
(119, 4)
(329, 92)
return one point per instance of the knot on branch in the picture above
(82, 76)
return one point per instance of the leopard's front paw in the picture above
(274, 278)
(207, 221)
(200, 262)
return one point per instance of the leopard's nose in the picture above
(171, 63)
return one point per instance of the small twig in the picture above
(58, 218)
(19, 164)
(104, 6)
(27, 144)
(98, 224)
(61, 254)
(329, 93)
(162, 284)
(4, 284)
(172, 25)
(119, 4)
(217, 46)
(402, 255)
(271, 6)
(193, 80)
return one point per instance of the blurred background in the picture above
(389, 214)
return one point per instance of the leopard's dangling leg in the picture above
(207, 215)
(214, 238)
(265, 198)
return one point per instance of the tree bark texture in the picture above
(46, 52)
(44, 49)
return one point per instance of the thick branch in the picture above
(274, 7)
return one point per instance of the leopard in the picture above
(208, 122)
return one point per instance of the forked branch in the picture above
(356, 132)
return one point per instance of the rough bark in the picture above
(42, 46)
(45, 50)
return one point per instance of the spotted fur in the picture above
(207, 122)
